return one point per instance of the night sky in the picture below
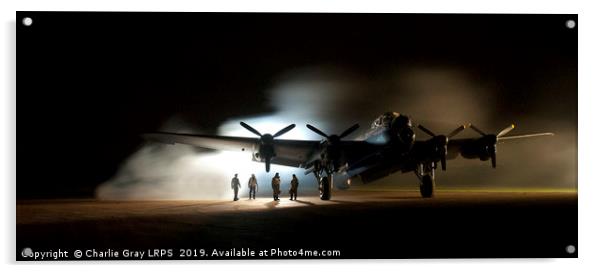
(90, 83)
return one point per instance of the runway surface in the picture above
(359, 224)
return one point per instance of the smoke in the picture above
(332, 99)
(440, 97)
(158, 171)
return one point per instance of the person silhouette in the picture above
(235, 184)
(252, 186)
(294, 187)
(276, 186)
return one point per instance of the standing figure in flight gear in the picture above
(235, 186)
(252, 186)
(294, 186)
(276, 186)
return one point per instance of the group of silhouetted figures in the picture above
(275, 187)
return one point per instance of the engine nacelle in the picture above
(256, 156)
(477, 149)
(261, 151)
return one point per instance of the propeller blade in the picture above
(317, 131)
(284, 130)
(493, 160)
(476, 129)
(524, 136)
(505, 131)
(251, 129)
(443, 163)
(427, 131)
(349, 130)
(267, 164)
(455, 132)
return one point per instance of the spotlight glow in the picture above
(267, 125)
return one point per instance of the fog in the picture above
(332, 99)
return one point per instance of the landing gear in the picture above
(427, 186)
(325, 183)
(326, 187)
(426, 174)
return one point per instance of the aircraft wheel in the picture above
(427, 186)
(325, 188)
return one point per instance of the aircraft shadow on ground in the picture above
(341, 201)
(305, 202)
(400, 197)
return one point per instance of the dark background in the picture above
(90, 83)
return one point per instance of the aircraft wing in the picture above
(294, 153)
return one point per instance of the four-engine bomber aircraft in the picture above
(389, 146)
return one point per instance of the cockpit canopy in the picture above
(386, 120)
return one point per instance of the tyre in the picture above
(427, 186)
(325, 188)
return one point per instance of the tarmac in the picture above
(356, 224)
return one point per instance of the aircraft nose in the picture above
(407, 135)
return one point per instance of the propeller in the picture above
(439, 143)
(490, 141)
(333, 138)
(266, 142)
(332, 149)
